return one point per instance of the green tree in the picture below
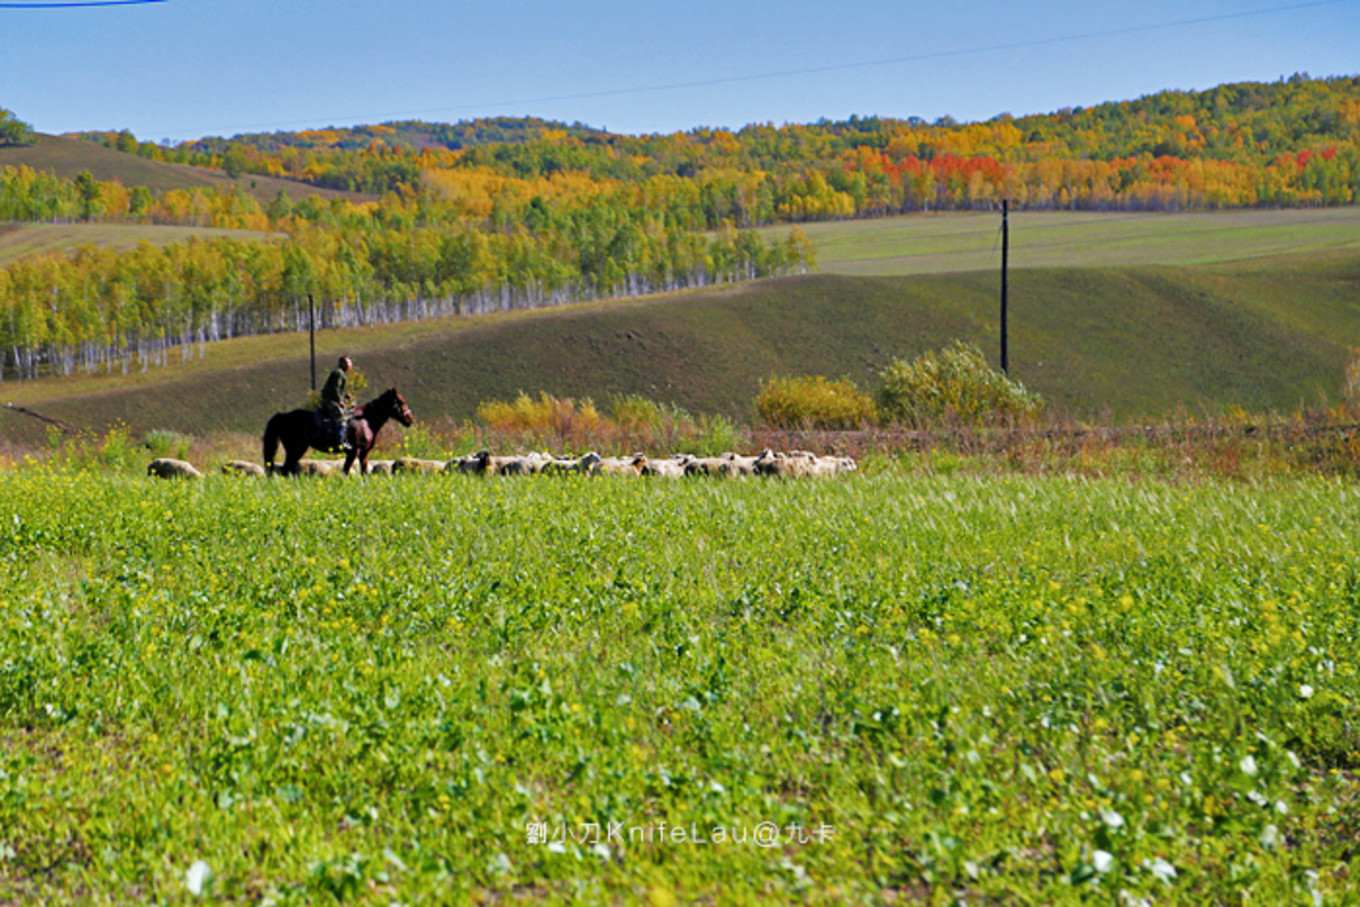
(14, 131)
(88, 187)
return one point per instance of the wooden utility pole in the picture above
(311, 331)
(1005, 255)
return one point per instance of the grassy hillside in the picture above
(942, 243)
(19, 240)
(1128, 341)
(67, 157)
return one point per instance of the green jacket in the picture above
(333, 394)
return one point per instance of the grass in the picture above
(947, 243)
(1005, 689)
(20, 240)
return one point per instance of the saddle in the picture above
(328, 432)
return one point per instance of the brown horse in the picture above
(298, 430)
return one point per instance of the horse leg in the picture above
(291, 465)
(349, 461)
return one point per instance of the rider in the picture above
(335, 402)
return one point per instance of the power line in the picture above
(76, 3)
(811, 70)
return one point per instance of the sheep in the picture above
(826, 467)
(169, 468)
(242, 468)
(416, 465)
(734, 465)
(671, 468)
(527, 465)
(784, 466)
(623, 466)
(586, 465)
(321, 468)
(380, 467)
(472, 464)
(705, 466)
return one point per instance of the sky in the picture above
(185, 69)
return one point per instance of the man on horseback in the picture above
(335, 404)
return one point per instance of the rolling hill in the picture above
(20, 240)
(67, 157)
(1123, 341)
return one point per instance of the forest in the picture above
(515, 212)
(1292, 142)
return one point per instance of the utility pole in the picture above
(311, 332)
(1005, 255)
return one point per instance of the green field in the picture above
(20, 240)
(1002, 690)
(946, 243)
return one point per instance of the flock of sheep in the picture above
(795, 464)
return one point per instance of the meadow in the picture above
(954, 242)
(997, 688)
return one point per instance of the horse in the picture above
(298, 430)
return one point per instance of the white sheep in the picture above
(623, 466)
(169, 468)
(242, 468)
(416, 465)
(587, 465)
(671, 468)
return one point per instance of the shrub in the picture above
(717, 433)
(636, 413)
(163, 442)
(954, 383)
(544, 415)
(812, 401)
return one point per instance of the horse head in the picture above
(396, 405)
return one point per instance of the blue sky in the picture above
(183, 69)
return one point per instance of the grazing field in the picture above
(945, 243)
(437, 689)
(19, 240)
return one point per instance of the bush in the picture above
(636, 413)
(715, 434)
(955, 383)
(162, 442)
(547, 414)
(812, 401)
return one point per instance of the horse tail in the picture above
(271, 442)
